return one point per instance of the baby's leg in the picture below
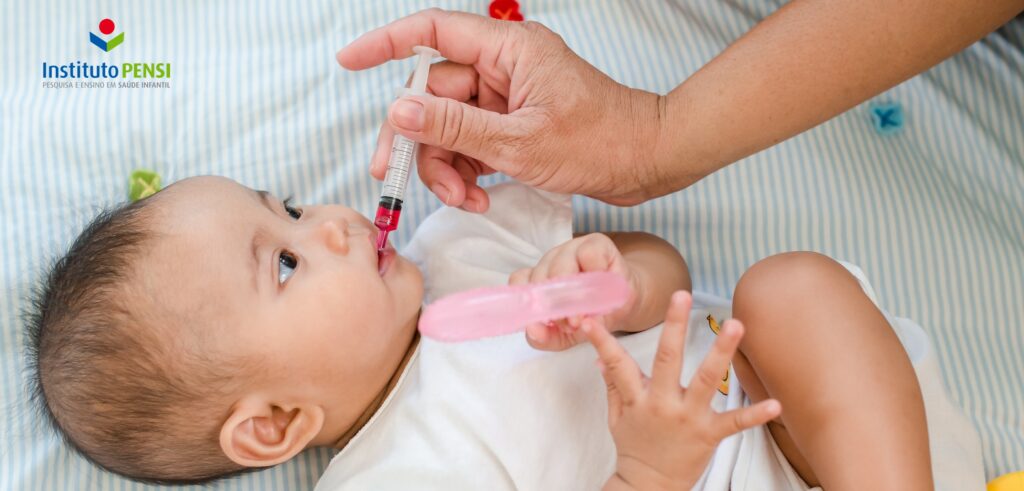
(852, 413)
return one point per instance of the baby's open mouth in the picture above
(384, 259)
(385, 256)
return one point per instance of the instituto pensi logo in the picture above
(110, 72)
(107, 28)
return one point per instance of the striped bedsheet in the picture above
(932, 213)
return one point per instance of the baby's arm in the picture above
(660, 269)
(653, 267)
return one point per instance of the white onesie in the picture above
(496, 414)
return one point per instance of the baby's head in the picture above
(211, 328)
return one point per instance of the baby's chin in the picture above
(404, 280)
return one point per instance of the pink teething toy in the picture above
(486, 312)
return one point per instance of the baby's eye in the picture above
(288, 262)
(293, 212)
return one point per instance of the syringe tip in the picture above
(382, 239)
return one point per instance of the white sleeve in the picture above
(458, 250)
(397, 479)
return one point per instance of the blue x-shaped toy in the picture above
(888, 117)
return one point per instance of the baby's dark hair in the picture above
(106, 370)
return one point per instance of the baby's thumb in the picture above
(456, 126)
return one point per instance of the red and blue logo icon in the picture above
(107, 28)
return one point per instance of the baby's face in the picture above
(297, 289)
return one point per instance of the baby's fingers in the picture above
(737, 420)
(668, 362)
(614, 398)
(598, 253)
(620, 370)
(551, 337)
(519, 276)
(714, 367)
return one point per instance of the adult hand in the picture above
(664, 434)
(515, 99)
(512, 98)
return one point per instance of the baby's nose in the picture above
(334, 234)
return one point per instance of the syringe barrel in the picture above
(403, 150)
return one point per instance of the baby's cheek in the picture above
(354, 307)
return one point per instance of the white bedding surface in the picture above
(933, 214)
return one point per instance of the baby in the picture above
(210, 329)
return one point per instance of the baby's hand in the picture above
(665, 435)
(594, 252)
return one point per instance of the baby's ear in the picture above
(258, 434)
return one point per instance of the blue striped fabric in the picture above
(932, 214)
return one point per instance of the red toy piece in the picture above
(505, 10)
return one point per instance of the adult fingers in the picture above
(484, 135)
(621, 369)
(475, 198)
(460, 37)
(449, 80)
(668, 360)
(446, 79)
(452, 80)
(435, 167)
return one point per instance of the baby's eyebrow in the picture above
(255, 265)
(265, 199)
(257, 239)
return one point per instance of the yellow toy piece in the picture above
(723, 387)
(1013, 481)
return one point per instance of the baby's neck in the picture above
(378, 401)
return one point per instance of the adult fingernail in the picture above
(408, 114)
(471, 204)
(442, 192)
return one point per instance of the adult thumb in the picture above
(456, 126)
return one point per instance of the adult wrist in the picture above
(679, 156)
(646, 111)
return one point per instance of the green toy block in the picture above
(143, 183)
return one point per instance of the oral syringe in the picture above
(403, 151)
